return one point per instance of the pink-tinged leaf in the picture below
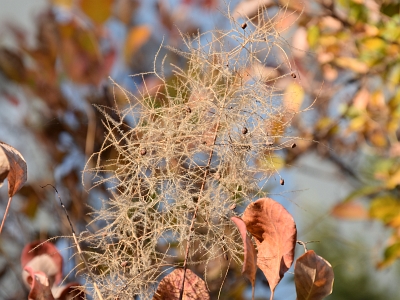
(4, 166)
(250, 255)
(313, 277)
(275, 233)
(169, 287)
(44, 258)
(17, 174)
(71, 291)
(350, 211)
(39, 285)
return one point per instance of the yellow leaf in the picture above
(136, 38)
(63, 3)
(293, 98)
(393, 180)
(384, 208)
(99, 13)
(352, 64)
(374, 44)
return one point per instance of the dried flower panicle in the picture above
(188, 152)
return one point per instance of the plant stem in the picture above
(5, 214)
(207, 170)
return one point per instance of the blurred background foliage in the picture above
(343, 55)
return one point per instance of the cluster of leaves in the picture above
(274, 231)
(345, 54)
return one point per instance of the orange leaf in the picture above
(275, 232)
(136, 38)
(250, 255)
(17, 174)
(313, 277)
(350, 210)
(169, 287)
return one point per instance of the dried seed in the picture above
(124, 263)
(226, 256)
(233, 206)
(188, 110)
(293, 75)
(293, 145)
(143, 151)
(282, 181)
(244, 130)
(244, 25)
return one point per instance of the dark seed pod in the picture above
(244, 25)
(293, 75)
(244, 130)
(282, 181)
(293, 145)
(188, 110)
(143, 151)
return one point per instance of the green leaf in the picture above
(391, 254)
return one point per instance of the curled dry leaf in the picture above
(313, 277)
(44, 258)
(12, 167)
(250, 255)
(39, 284)
(168, 289)
(275, 233)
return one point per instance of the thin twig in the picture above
(5, 214)
(197, 208)
(76, 243)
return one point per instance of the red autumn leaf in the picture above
(250, 255)
(44, 258)
(275, 233)
(169, 287)
(39, 285)
(313, 277)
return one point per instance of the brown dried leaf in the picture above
(275, 233)
(169, 287)
(313, 277)
(250, 255)
(17, 174)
